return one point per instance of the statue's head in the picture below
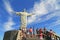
(24, 10)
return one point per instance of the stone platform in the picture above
(10, 35)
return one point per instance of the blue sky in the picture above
(47, 14)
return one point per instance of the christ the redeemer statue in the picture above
(23, 18)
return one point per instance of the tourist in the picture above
(50, 34)
(41, 34)
(45, 33)
(37, 31)
(27, 33)
(53, 37)
(24, 30)
(31, 31)
(24, 37)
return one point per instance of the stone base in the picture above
(10, 35)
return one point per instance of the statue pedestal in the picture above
(10, 35)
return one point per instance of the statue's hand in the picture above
(33, 13)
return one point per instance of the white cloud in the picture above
(57, 20)
(31, 19)
(55, 24)
(53, 14)
(8, 25)
(38, 10)
(57, 4)
(42, 8)
(8, 7)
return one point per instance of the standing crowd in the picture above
(42, 34)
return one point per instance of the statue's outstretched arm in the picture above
(30, 14)
(18, 13)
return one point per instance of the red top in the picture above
(30, 30)
(41, 35)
